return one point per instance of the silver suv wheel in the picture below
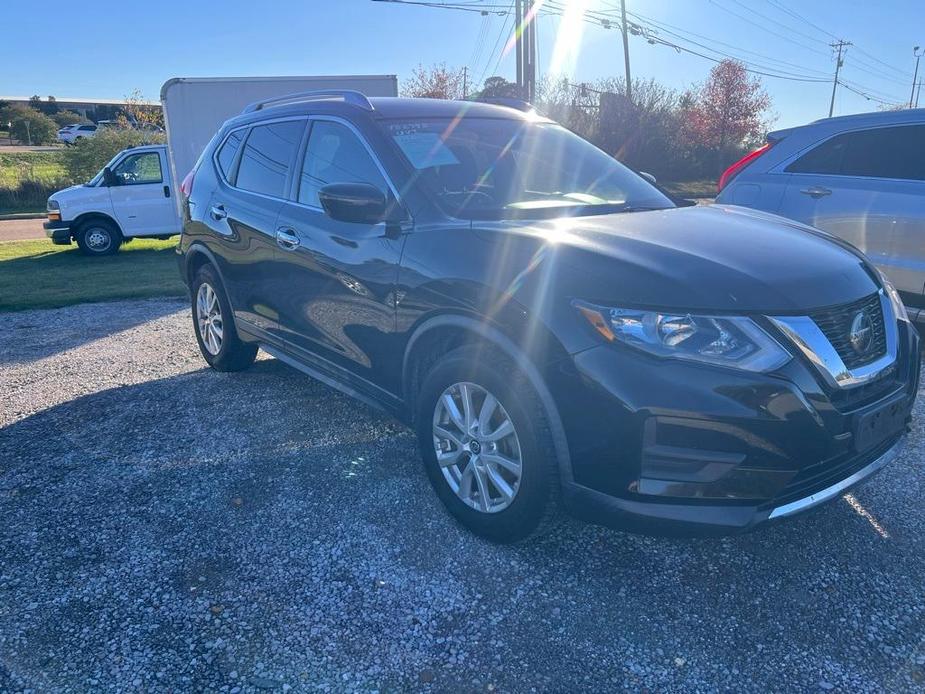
(209, 318)
(477, 447)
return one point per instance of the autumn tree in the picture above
(435, 82)
(726, 112)
(139, 113)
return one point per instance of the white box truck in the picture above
(135, 194)
(195, 107)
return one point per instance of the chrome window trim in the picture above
(803, 332)
(239, 153)
(824, 495)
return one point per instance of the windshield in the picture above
(498, 168)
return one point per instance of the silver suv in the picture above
(859, 177)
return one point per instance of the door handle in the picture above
(287, 239)
(217, 212)
(166, 191)
(816, 192)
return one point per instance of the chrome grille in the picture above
(835, 323)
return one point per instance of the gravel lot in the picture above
(165, 527)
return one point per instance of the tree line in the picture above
(677, 135)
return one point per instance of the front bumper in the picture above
(655, 518)
(665, 447)
(59, 231)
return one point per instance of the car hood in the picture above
(708, 258)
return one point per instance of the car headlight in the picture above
(731, 341)
(53, 205)
(899, 309)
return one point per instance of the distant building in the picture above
(91, 109)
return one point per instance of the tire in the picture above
(220, 345)
(479, 501)
(98, 237)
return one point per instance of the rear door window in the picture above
(267, 157)
(335, 155)
(895, 152)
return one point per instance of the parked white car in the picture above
(132, 196)
(860, 177)
(70, 134)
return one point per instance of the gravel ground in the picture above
(165, 527)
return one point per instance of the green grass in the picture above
(691, 189)
(38, 274)
(17, 167)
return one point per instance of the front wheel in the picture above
(213, 324)
(98, 237)
(486, 444)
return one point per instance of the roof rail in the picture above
(348, 96)
(509, 101)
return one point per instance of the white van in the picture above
(132, 196)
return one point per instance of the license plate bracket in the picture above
(875, 426)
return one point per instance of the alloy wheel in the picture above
(209, 318)
(477, 447)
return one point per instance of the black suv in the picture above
(549, 323)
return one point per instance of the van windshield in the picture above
(498, 168)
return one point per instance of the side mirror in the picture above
(649, 177)
(109, 178)
(360, 203)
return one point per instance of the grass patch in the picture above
(38, 274)
(691, 189)
(17, 167)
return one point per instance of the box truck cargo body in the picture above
(196, 107)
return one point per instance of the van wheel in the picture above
(213, 323)
(98, 237)
(486, 444)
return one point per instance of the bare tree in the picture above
(435, 82)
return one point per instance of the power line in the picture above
(801, 18)
(770, 31)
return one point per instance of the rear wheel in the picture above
(486, 444)
(213, 324)
(98, 237)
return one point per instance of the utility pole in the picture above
(518, 44)
(918, 56)
(839, 46)
(530, 51)
(626, 52)
(465, 82)
(918, 94)
(525, 48)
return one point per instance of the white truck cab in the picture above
(132, 196)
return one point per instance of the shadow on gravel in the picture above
(74, 326)
(221, 529)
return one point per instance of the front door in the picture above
(339, 300)
(141, 195)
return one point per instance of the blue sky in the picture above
(108, 52)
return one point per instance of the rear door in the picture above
(868, 187)
(339, 300)
(254, 166)
(141, 195)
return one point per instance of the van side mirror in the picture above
(109, 178)
(649, 177)
(359, 203)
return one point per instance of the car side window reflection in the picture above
(335, 155)
(894, 152)
(138, 169)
